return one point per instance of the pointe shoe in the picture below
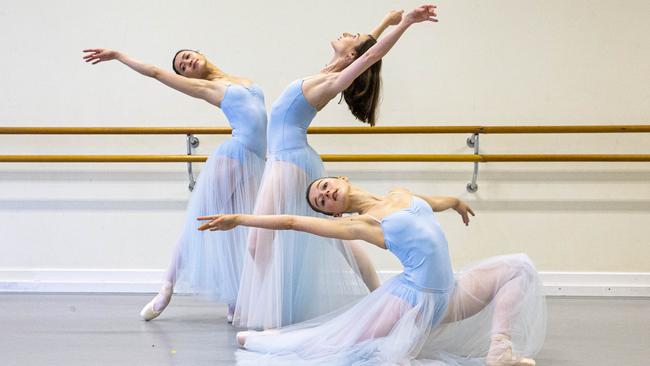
(500, 354)
(148, 313)
(241, 337)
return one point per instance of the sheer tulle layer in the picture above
(398, 324)
(210, 263)
(291, 276)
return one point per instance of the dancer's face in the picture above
(346, 44)
(191, 64)
(330, 195)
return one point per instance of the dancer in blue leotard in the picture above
(492, 313)
(284, 280)
(228, 182)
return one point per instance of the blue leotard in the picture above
(290, 116)
(415, 237)
(246, 113)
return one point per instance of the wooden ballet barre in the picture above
(328, 130)
(115, 130)
(478, 129)
(486, 158)
(481, 158)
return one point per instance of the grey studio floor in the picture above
(101, 329)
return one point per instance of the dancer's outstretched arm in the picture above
(444, 203)
(392, 18)
(348, 228)
(198, 88)
(345, 78)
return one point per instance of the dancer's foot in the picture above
(231, 313)
(241, 337)
(156, 306)
(500, 353)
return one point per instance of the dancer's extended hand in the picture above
(393, 17)
(464, 210)
(421, 14)
(96, 55)
(218, 222)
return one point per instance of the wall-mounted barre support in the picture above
(192, 142)
(473, 141)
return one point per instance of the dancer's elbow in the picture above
(371, 57)
(288, 223)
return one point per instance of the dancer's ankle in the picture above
(167, 287)
(501, 337)
(164, 296)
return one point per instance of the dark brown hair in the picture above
(174, 59)
(362, 96)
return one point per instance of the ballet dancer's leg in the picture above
(376, 322)
(206, 194)
(503, 283)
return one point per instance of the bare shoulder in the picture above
(317, 81)
(214, 90)
(245, 82)
(399, 190)
(317, 89)
(399, 194)
(351, 220)
(366, 229)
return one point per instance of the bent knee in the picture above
(522, 266)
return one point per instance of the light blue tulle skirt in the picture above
(210, 263)
(398, 324)
(290, 276)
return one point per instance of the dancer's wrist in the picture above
(237, 219)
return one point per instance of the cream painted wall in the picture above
(501, 63)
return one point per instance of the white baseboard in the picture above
(80, 280)
(613, 284)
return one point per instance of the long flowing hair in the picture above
(362, 97)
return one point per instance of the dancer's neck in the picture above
(361, 201)
(336, 64)
(215, 73)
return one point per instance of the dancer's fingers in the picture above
(210, 225)
(210, 217)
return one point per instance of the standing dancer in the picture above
(289, 276)
(493, 313)
(228, 181)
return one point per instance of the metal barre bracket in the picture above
(192, 142)
(473, 141)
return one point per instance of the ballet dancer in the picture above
(285, 281)
(228, 182)
(492, 312)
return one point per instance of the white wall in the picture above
(502, 63)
